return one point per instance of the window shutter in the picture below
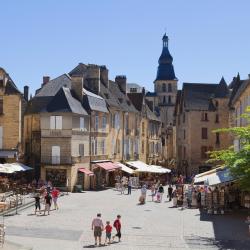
(52, 122)
(58, 122)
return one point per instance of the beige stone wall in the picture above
(193, 135)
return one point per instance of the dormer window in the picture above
(216, 104)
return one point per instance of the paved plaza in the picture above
(149, 226)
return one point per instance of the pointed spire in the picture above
(165, 40)
(238, 76)
(222, 81)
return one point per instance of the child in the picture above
(117, 225)
(108, 230)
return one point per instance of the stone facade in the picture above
(200, 110)
(12, 107)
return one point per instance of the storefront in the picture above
(104, 174)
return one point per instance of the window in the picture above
(217, 138)
(118, 146)
(102, 146)
(184, 153)
(203, 133)
(217, 118)
(133, 90)
(117, 121)
(96, 123)
(142, 147)
(81, 149)
(169, 87)
(204, 152)
(55, 122)
(164, 89)
(82, 123)
(184, 134)
(204, 116)
(164, 99)
(94, 146)
(183, 118)
(55, 154)
(104, 123)
(169, 99)
(1, 105)
(143, 128)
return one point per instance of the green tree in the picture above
(238, 161)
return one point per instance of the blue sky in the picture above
(208, 39)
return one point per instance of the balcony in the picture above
(56, 160)
(56, 133)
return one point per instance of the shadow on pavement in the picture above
(231, 232)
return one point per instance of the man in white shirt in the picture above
(97, 226)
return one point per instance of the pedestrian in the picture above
(142, 198)
(37, 203)
(129, 185)
(175, 198)
(108, 230)
(47, 199)
(55, 194)
(97, 226)
(153, 191)
(160, 192)
(170, 192)
(117, 225)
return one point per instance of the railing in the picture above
(56, 160)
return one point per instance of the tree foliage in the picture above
(238, 161)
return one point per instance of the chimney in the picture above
(26, 92)
(77, 86)
(121, 80)
(104, 75)
(46, 79)
(93, 78)
(143, 91)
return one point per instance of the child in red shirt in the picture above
(117, 225)
(108, 230)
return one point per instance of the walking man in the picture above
(37, 203)
(97, 226)
(170, 192)
(160, 192)
(117, 225)
(129, 185)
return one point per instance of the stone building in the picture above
(61, 125)
(150, 130)
(163, 99)
(200, 109)
(239, 101)
(12, 106)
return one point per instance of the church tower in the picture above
(165, 85)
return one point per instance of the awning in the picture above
(9, 168)
(214, 177)
(138, 165)
(8, 153)
(159, 169)
(108, 166)
(125, 168)
(219, 177)
(86, 171)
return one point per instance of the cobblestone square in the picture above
(149, 226)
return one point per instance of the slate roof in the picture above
(138, 101)
(165, 69)
(125, 103)
(151, 94)
(53, 86)
(63, 101)
(198, 96)
(94, 102)
(239, 89)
